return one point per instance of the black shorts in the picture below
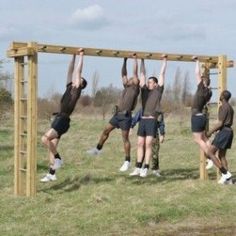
(121, 121)
(147, 127)
(198, 123)
(223, 139)
(61, 124)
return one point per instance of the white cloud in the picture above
(90, 18)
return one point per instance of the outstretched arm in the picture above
(197, 70)
(71, 70)
(135, 70)
(163, 71)
(124, 72)
(79, 68)
(142, 74)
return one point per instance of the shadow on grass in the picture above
(168, 176)
(6, 147)
(74, 184)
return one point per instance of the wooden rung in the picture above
(24, 63)
(214, 88)
(43, 47)
(23, 169)
(23, 99)
(179, 57)
(24, 81)
(213, 73)
(23, 117)
(115, 53)
(98, 52)
(23, 152)
(148, 55)
(23, 134)
(62, 49)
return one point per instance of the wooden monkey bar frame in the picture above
(25, 55)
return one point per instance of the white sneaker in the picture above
(136, 172)
(144, 172)
(156, 173)
(94, 151)
(48, 178)
(209, 164)
(57, 163)
(125, 166)
(224, 178)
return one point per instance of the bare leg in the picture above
(125, 137)
(222, 157)
(105, 134)
(140, 148)
(148, 149)
(47, 140)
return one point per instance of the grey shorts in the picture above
(61, 124)
(121, 121)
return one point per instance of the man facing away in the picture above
(224, 133)
(61, 122)
(151, 94)
(123, 113)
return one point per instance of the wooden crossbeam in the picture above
(59, 49)
(19, 52)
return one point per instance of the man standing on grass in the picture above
(151, 94)
(123, 113)
(198, 119)
(224, 136)
(61, 122)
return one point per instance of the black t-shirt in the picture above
(226, 114)
(151, 100)
(128, 99)
(200, 99)
(69, 99)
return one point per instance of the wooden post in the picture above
(19, 75)
(222, 83)
(32, 123)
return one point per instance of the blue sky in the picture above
(203, 27)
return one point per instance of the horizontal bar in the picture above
(22, 169)
(59, 49)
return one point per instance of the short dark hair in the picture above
(154, 79)
(84, 83)
(226, 95)
(206, 79)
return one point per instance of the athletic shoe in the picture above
(125, 166)
(57, 163)
(156, 173)
(229, 181)
(136, 172)
(224, 178)
(94, 151)
(48, 178)
(209, 164)
(144, 172)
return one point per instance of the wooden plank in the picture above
(24, 51)
(32, 124)
(18, 181)
(62, 49)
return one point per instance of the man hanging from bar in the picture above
(151, 94)
(61, 123)
(123, 113)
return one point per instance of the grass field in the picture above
(91, 197)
